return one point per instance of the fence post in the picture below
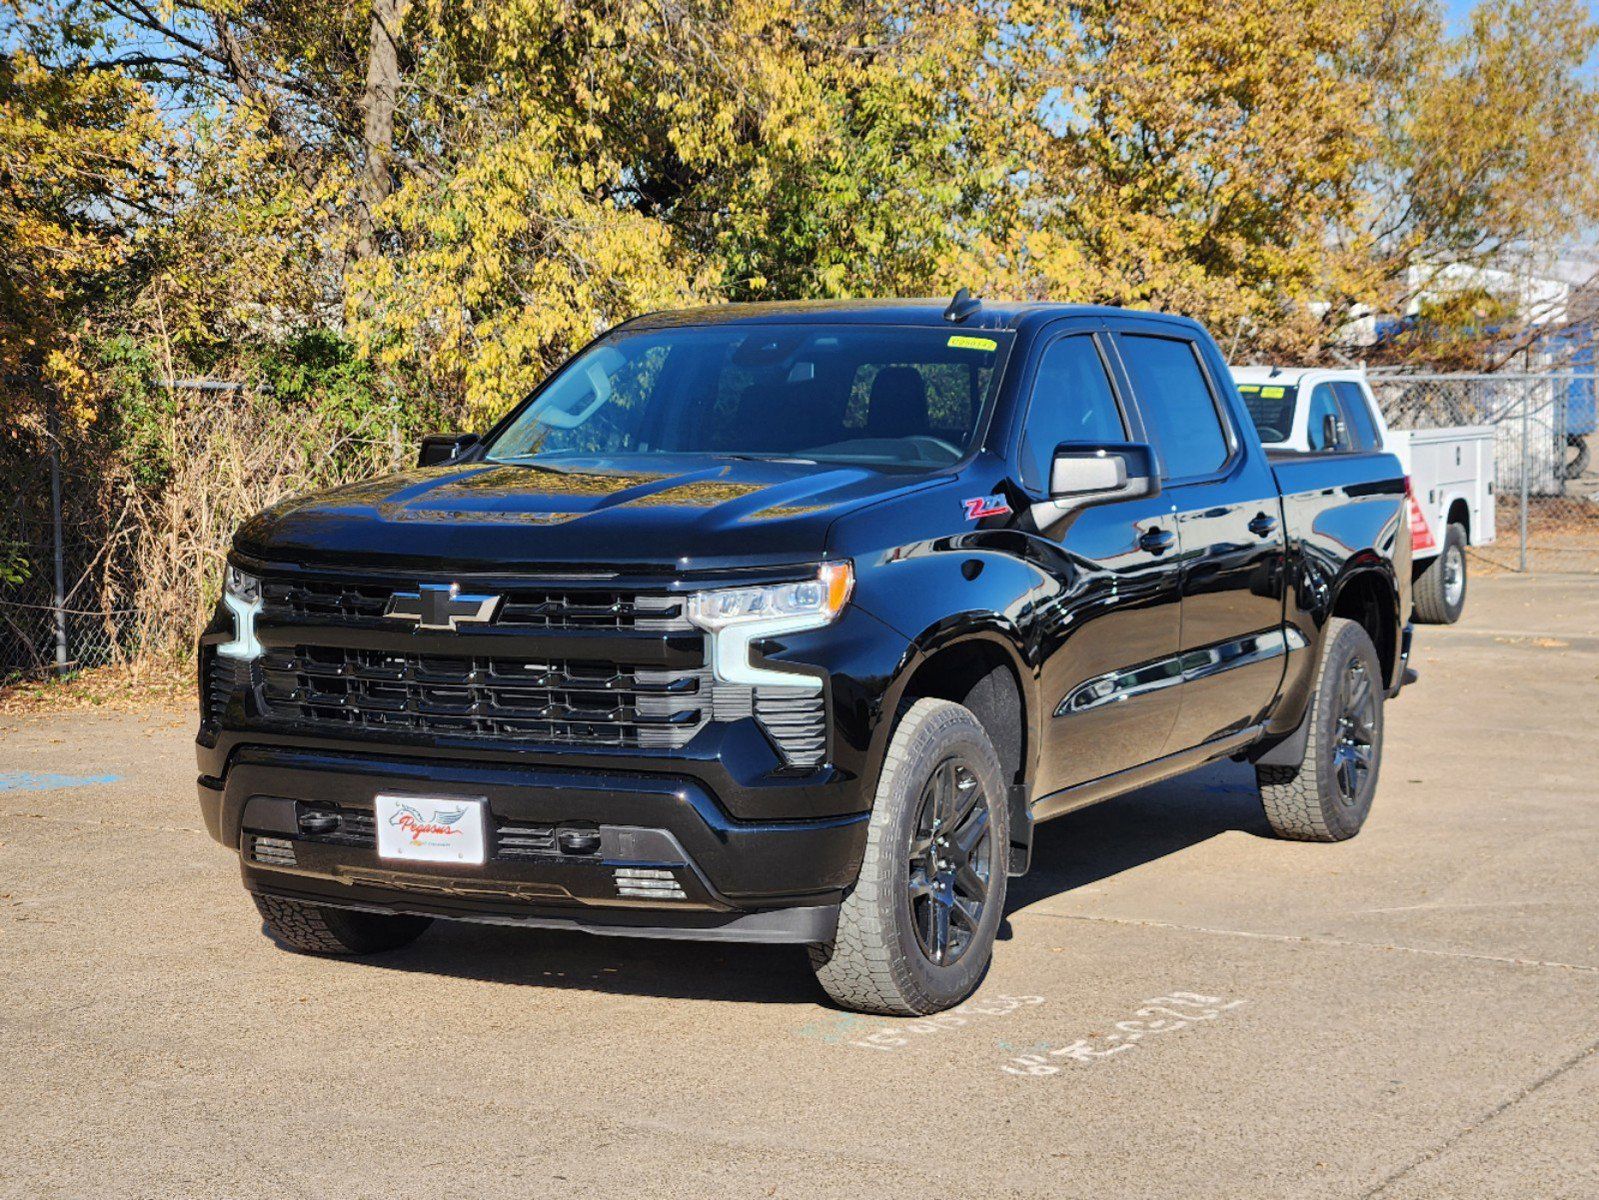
(1526, 468)
(53, 429)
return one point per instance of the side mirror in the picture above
(1333, 433)
(1114, 471)
(445, 447)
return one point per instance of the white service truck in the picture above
(1451, 471)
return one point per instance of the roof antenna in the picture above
(962, 306)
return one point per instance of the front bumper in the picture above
(734, 880)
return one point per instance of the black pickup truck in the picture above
(786, 623)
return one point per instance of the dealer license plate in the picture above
(430, 828)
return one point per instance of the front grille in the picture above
(542, 608)
(484, 697)
(358, 827)
(524, 841)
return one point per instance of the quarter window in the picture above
(1177, 403)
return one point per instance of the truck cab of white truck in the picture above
(1309, 411)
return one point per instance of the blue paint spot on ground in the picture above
(45, 781)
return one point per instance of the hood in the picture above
(674, 514)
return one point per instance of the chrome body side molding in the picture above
(1114, 687)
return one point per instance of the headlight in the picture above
(241, 585)
(736, 616)
(820, 599)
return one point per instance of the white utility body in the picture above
(1452, 480)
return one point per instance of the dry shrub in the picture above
(228, 460)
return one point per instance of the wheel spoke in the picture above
(920, 885)
(940, 938)
(967, 837)
(970, 884)
(967, 796)
(1360, 692)
(967, 913)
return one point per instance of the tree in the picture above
(80, 158)
(1487, 155)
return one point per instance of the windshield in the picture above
(879, 396)
(1271, 408)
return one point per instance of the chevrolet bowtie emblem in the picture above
(441, 606)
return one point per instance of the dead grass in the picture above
(135, 688)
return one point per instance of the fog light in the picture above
(274, 852)
(651, 883)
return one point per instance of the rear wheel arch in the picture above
(1369, 598)
(1459, 513)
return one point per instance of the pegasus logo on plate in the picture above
(441, 824)
(441, 606)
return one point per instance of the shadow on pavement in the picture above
(1095, 843)
(1073, 851)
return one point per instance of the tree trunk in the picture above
(378, 99)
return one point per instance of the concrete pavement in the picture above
(1180, 1006)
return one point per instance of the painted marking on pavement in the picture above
(46, 781)
(870, 1033)
(1160, 1014)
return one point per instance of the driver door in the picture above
(1110, 631)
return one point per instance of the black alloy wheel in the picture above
(951, 862)
(1354, 753)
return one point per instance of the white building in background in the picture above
(1538, 287)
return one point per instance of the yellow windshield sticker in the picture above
(1272, 393)
(1250, 388)
(963, 341)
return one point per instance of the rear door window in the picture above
(1179, 409)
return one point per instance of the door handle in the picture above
(1262, 525)
(1157, 540)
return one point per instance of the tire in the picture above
(1438, 597)
(1327, 797)
(319, 929)
(886, 957)
(1578, 465)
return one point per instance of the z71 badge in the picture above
(985, 506)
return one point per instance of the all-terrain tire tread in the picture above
(314, 929)
(1292, 797)
(862, 969)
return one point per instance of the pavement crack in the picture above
(1504, 1105)
(1325, 941)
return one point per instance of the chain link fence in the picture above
(54, 611)
(1547, 485)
